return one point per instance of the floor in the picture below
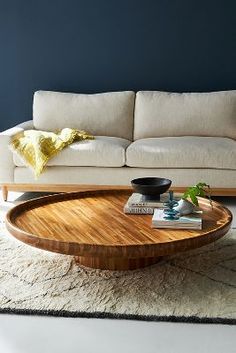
(28, 334)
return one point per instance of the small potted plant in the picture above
(189, 199)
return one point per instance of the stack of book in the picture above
(192, 221)
(141, 204)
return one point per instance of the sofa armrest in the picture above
(6, 157)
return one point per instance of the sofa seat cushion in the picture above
(182, 152)
(103, 151)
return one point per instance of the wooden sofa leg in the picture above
(4, 192)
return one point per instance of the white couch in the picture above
(187, 137)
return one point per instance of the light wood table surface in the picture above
(91, 226)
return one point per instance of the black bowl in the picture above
(151, 186)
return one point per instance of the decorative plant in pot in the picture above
(185, 206)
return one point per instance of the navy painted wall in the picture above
(103, 45)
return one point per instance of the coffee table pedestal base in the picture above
(116, 263)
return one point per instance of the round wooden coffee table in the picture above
(91, 226)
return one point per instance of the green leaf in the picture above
(201, 193)
(193, 197)
(197, 190)
(202, 185)
(186, 194)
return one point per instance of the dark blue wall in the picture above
(103, 45)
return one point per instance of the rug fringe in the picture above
(104, 315)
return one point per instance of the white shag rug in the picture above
(197, 286)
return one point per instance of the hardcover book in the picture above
(138, 210)
(192, 221)
(139, 200)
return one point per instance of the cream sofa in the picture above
(187, 137)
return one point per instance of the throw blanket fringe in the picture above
(36, 147)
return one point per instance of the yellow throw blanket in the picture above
(37, 147)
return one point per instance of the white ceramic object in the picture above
(184, 207)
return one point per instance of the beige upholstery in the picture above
(104, 114)
(122, 176)
(160, 114)
(187, 138)
(183, 152)
(102, 152)
(6, 158)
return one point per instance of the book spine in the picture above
(145, 204)
(182, 226)
(138, 210)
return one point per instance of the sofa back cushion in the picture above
(105, 114)
(159, 114)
